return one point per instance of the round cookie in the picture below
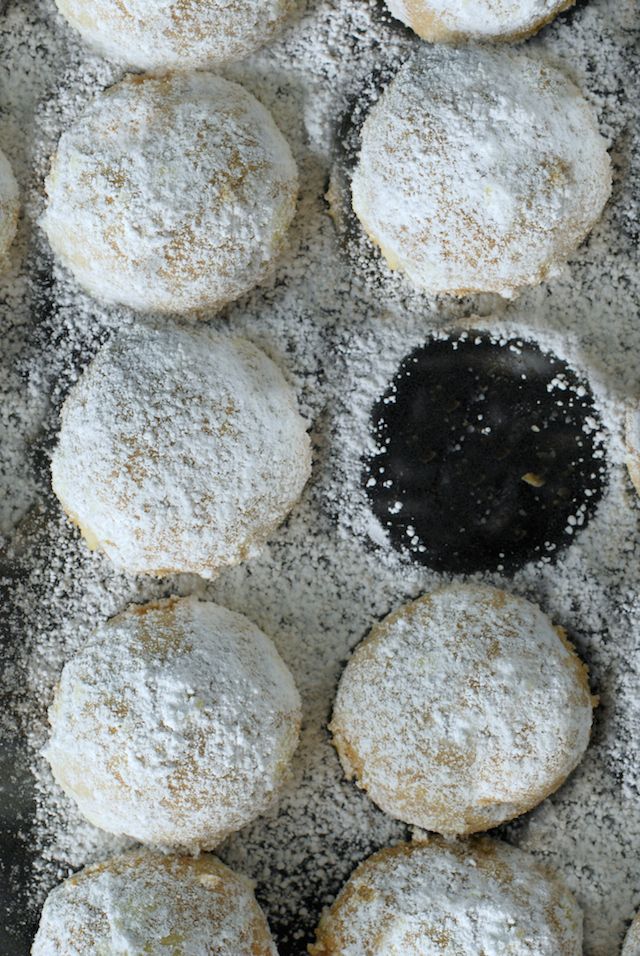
(175, 725)
(171, 194)
(144, 902)
(632, 939)
(462, 710)
(455, 21)
(481, 896)
(480, 170)
(180, 450)
(9, 205)
(632, 438)
(175, 34)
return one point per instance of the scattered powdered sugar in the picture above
(180, 450)
(140, 900)
(514, 722)
(171, 194)
(339, 325)
(482, 897)
(175, 724)
(172, 34)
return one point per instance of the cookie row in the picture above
(426, 897)
(177, 35)
(479, 171)
(181, 449)
(175, 725)
(177, 722)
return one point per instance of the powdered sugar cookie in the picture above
(144, 902)
(479, 171)
(173, 34)
(180, 451)
(462, 710)
(633, 446)
(452, 21)
(632, 940)
(9, 205)
(481, 896)
(175, 725)
(171, 194)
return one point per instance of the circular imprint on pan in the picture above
(489, 455)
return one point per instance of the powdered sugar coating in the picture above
(632, 940)
(315, 589)
(9, 204)
(175, 34)
(181, 450)
(175, 725)
(462, 710)
(143, 902)
(455, 20)
(171, 194)
(463, 898)
(479, 171)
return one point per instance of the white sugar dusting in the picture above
(501, 214)
(142, 899)
(339, 329)
(171, 194)
(484, 19)
(515, 720)
(152, 35)
(216, 452)
(175, 725)
(491, 898)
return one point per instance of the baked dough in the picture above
(175, 725)
(145, 903)
(462, 710)
(453, 21)
(180, 450)
(632, 940)
(633, 446)
(478, 897)
(9, 205)
(480, 170)
(171, 194)
(175, 34)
